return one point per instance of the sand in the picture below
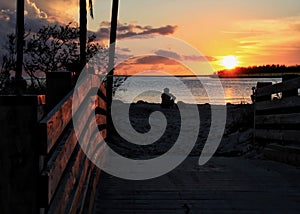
(237, 139)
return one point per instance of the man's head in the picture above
(166, 90)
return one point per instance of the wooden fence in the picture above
(277, 120)
(43, 167)
(68, 178)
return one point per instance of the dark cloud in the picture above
(123, 57)
(152, 60)
(176, 56)
(34, 20)
(125, 50)
(199, 58)
(168, 54)
(130, 30)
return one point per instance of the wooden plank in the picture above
(57, 164)
(84, 121)
(92, 189)
(278, 119)
(284, 148)
(79, 190)
(289, 102)
(280, 135)
(91, 138)
(54, 123)
(72, 175)
(277, 88)
(286, 154)
(81, 92)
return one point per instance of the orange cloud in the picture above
(151, 65)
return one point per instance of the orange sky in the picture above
(257, 32)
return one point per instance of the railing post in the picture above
(19, 155)
(111, 64)
(293, 92)
(59, 84)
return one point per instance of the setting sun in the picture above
(229, 62)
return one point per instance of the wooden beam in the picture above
(288, 102)
(57, 164)
(83, 32)
(277, 88)
(72, 175)
(111, 64)
(278, 119)
(20, 39)
(53, 125)
(280, 135)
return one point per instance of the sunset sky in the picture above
(256, 32)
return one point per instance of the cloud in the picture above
(177, 56)
(296, 27)
(34, 17)
(248, 43)
(168, 54)
(40, 14)
(199, 58)
(153, 60)
(125, 50)
(130, 30)
(273, 40)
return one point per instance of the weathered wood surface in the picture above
(289, 102)
(223, 185)
(280, 135)
(278, 119)
(79, 192)
(57, 164)
(55, 122)
(68, 172)
(286, 154)
(277, 88)
(72, 175)
(92, 189)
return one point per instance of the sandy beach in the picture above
(237, 139)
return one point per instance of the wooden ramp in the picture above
(224, 185)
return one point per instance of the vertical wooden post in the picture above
(58, 85)
(111, 64)
(261, 85)
(293, 92)
(20, 39)
(83, 32)
(19, 158)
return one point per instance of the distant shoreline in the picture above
(262, 75)
(212, 76)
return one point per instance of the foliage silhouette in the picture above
(52, 48)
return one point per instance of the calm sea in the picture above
(189, 89)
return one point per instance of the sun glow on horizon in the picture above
(229, 62)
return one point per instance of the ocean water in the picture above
(197, 90)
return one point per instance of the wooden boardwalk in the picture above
(224, 185)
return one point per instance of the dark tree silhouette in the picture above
(260, 70)
(51, 48)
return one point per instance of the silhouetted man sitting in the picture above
(167, 99)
